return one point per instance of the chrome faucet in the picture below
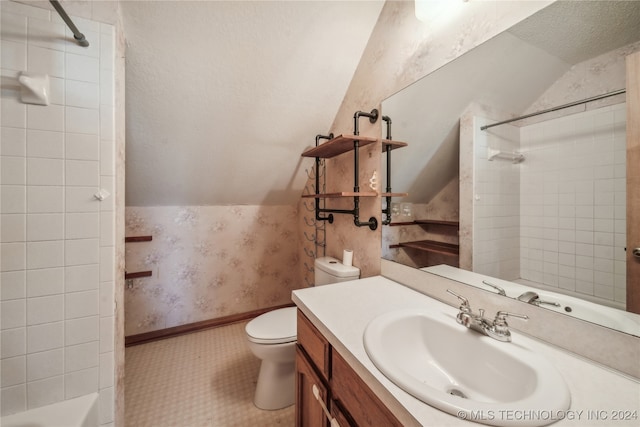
(496, 287)
(497, 329)
(533, 298)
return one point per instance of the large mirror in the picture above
(535, 208)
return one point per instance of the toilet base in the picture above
(276, 385)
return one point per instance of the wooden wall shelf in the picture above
(135, 239)
(137, 275)
(427, 222)
(341, 194)
(431, 246)
(392, 144)
(338, 145)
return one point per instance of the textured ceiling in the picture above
(222, 97)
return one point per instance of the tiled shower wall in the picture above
(573, 203)
(57, 239)
(560, 213)
(496, 202)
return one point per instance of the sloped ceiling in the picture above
(222, 97)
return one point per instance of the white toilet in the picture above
(272, 338)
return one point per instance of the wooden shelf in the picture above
(393, 144)
(341, 194)
(338, 145)
(137, 275)
(394, 194)
(427, 222)
(135, 239)
(431, 246)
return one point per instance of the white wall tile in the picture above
(45, 364)
(107, 265)
(12, 141)
(80, 199)
(83, 68)
(107, 96)
(81, 330)
(41, 199)
(107, 126)
(107, 159)
(107, 299)
(81, 304)
(82, 225)
(45, 61)
(46, 34)
(82, 356)
(13, 229)
(108, 183)
(83, 120)
(106, 334)
(13, 342)
(82, 146)
(106, 370)
(82, 251)
(81, 277)
(13, 111)
(45, 392)
(47, 336)
(13, 371)
(14, 399)
(79, 383)
(13, 199)
(13, 256)
(107, 229)
(14, 55)
(106, 401)
(13, 285)
(49, 118)
(45, 171)
(45, 281)
(13, 170)
(45, 254)
(23, 9)
(82, 94)
(45, 144)
(45, 227)
(13, 313)
(56, 95)
(82, 173)
(47, 309)
(13, 26)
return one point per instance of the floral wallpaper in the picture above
(208, 262)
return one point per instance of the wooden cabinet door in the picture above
(309, 413)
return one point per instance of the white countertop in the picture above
(599, 396)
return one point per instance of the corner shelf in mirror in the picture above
(392, 144)
(427, 222)
(394, 194)
(430, 246)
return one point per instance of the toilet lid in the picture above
(275, 327)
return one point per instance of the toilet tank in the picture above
(330, 270)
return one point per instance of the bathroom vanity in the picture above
(331, 358)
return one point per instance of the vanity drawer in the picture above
(351, 393)
(314, 345)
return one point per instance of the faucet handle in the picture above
(501, 317)
(465, 302)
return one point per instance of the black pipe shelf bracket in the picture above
(389, 144)
(334, 147)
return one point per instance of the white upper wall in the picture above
(223, 97)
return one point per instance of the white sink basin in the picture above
(464, 373)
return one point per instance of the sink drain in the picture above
(456, 392)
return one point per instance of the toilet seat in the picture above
(275, 327)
